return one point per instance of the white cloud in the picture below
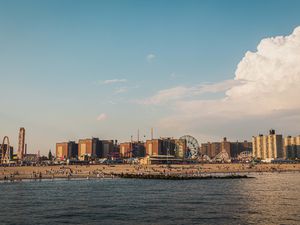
(266, 94)
(150, 57)
(121, 90)
(183, 92)
(166, 95)
(102, 117)
(125, 89)
(113, 81)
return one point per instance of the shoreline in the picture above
(72, 172)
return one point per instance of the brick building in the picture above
(132, 149)
(90, 147)
(66, 150)
(233, 149)
(107, 148)
(163, 146)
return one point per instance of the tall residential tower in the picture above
(267, 147)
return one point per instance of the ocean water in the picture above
(266, 199)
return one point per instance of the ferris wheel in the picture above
(192, 146)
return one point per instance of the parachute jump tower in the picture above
(21, 147)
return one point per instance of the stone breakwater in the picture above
(182, 177)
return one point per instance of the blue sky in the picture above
(55, 57)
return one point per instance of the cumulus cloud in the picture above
(272, 76)
(264, 91)
(150, 57)
(113, 81)
(102, 117)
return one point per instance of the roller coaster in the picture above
(223, 156)
(245, 156)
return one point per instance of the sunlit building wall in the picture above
(267, 147)
(89, 147)
(66, 150)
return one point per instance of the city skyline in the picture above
(106, 69)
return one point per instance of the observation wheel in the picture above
(192, 146)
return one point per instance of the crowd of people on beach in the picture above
(111, 171)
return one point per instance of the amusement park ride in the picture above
(6, 149)
(192, 146)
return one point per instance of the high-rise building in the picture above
(238, 147)
(126, 150)
(90, 147)
(180, 148)
(162, 146)
(153, 147)
(291, 147)
(233, 149)
(132, 149)
(225, 146)
(211, 149)
(107, 147)
(66, 150)
(168, 146)
(267, 147)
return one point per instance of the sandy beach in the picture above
(102, 171)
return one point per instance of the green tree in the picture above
(50, 157)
